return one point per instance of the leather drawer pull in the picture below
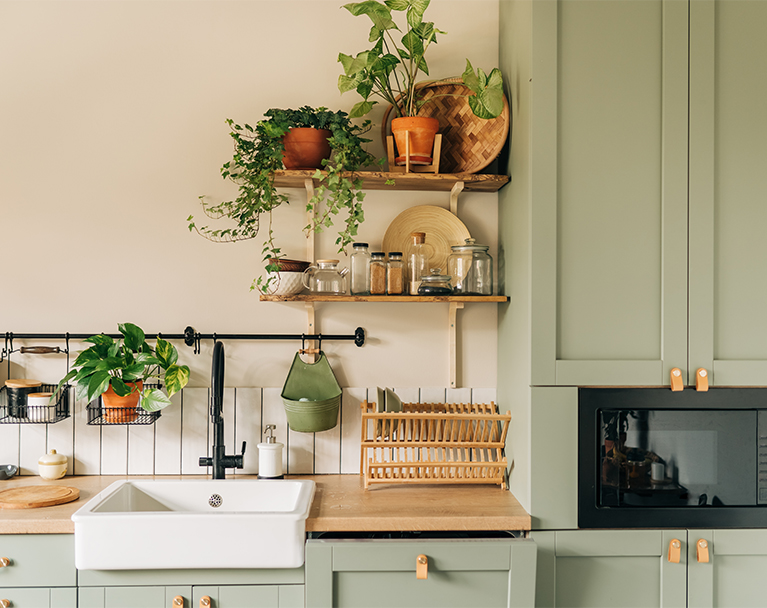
(701, 380)
(5, 604)
(205, 601)
(702, 551)
(676, 379)
(4, 562)
(674, 551)
(178, 601)
(422, 567)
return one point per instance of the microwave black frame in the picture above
(591, 400)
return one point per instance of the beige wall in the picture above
(112, 124)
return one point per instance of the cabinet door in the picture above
(40, 597)
(132, 597)
(728, 217)
(734, 575)
(383, 573)
(249, 596)
(611, 569)
(609, 192)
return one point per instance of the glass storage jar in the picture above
(417, 261)
(471, 269)
(395, 274)
(435, 284)
(360, 270)
(378, 274)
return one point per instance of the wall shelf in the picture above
(328, 298)
(423, 182)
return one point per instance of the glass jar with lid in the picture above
(435, 284)
(359, 263)
(378, 274)
(417, 261)
(471, 269)
(395, 274)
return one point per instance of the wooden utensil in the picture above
(31, 497)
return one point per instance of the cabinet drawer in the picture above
(401, 555)
(39, 597)
(38, 560)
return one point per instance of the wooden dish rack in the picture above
(455, 443)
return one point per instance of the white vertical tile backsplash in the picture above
(182, 434)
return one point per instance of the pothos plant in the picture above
(258, 153)
(122, 363)
(391, 68)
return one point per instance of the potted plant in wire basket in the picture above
(126, 372)
(261, 150)
(390, 69)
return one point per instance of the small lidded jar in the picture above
(359, 263)
(395, 274)
(435, 284)
(18, 389)
(378, 274)
(471, 269)
(52, 465)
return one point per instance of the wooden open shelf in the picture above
(324, 298)
(423, 182)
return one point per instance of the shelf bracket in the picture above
(452, 329)
(454, 192)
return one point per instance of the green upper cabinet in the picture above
(635, 272)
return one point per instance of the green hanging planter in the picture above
(311, 395)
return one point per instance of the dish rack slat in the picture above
(434, 443)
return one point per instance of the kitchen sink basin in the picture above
(195, 523)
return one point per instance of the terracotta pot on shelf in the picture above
(422, 130)
(305, 148)
(121, 409)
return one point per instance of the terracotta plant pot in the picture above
(121, 409)
(422, 130)
(305, 148)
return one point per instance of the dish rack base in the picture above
(434, 443)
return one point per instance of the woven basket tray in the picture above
(469, 143)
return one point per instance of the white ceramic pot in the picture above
(52, 466)
(286, 283)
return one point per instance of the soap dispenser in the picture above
(270, 456)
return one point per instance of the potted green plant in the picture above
(118, 369)
(260, 151)
(390, 69)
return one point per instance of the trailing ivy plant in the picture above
(390, 69)
(258, 154)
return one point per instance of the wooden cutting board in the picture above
(31, 497)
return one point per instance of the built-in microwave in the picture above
(656, 458)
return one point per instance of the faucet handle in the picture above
(206, 461)
(243, 448)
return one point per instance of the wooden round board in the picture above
(31, 497)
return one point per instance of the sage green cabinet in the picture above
(219, 596)
(39, 597)
(372, 573)
(633, 271)
(132, 597)
(631, 568)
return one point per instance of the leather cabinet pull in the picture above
(676, 379)
(674, 551)
(701, 380)
(178, 602)
(422, 567)
(5, 604)
(4, 562)
(205, 601)
(701, 548)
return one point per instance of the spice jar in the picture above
(18, 389)
(471, 269)
(378, 274)
(435, 284)
(417, 261)
(395, 274)
(359, 263)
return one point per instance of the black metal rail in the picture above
(190, 337)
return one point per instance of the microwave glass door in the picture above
(702, 458)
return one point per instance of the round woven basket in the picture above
(469, 143)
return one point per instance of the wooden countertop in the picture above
(341, 504)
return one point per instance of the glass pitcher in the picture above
(325, 278)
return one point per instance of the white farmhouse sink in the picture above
(196, 523)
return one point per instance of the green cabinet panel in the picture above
(383, 573)
(38, 560)
(133, 597)
(239, 596)
(40, 597)
(613, 156)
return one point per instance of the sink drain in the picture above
(215, 500)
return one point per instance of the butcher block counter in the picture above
(341, 504)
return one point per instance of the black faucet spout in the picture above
(219, 460)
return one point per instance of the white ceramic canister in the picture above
(52, 465)
(270, 456)
(40, 408)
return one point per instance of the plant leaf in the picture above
(122, 389)
(176, 378)
(166, 353)
(98, 383)
(153, 399)
(134, 335)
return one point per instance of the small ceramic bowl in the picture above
(52, 466)
(286, 283)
